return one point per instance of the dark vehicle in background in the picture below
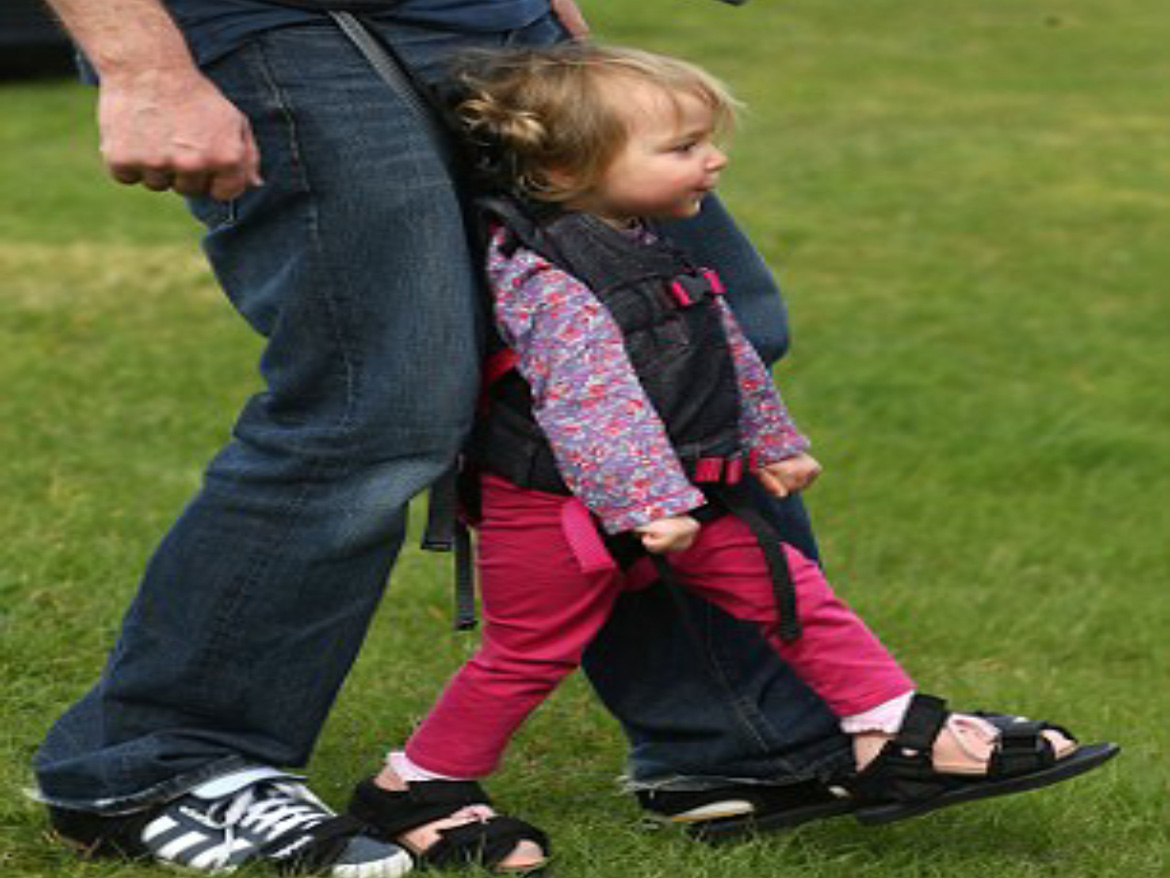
(31, 41)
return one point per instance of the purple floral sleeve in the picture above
(611, 447)
(764, 421)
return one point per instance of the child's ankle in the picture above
(867, 745)
(399, 770)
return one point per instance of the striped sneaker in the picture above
(220, 826)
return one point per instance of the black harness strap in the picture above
(739, 503)
(446, 531)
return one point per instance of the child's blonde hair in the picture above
(530, 111)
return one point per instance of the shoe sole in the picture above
(1083, 760)
(733, 828)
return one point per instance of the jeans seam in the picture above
(737, 702)
(276, 99)
(283, 105)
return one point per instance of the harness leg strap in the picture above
(739, 504)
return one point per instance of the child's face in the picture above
(668, 163)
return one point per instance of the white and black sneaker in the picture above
(252, 816)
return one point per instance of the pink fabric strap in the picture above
(583, 538)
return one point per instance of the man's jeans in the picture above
(351, 262)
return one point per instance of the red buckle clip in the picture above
(733, 472)
(709, 469)
(717, 287)
(680, 294)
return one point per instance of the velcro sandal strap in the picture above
(458, 793)
(1021, 749)
(389, 813)
(1004, 721)
(484, 843)
(922, 724)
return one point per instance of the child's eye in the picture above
(684, 148)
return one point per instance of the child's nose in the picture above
(717, 160)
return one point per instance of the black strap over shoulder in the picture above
(349, 5)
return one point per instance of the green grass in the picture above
(967, 206)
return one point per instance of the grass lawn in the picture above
(968, 205)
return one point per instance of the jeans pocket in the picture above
(212, 213)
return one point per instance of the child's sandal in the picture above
(904, 781)
(486, 843)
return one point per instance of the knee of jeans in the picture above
(368, 507)
(341, 434)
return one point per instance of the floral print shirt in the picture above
(611, 448)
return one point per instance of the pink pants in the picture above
(548, 586)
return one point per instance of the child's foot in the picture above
(448, 823)
(938, 759)
(525, 856)
(964, 745)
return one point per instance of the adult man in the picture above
(334, 228)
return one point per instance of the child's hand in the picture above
(789, 475)
(674, 534)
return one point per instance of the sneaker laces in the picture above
(271, 810)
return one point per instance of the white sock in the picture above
(886, 717)
(412, 773)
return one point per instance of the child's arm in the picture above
(767, 428)
(611, 448)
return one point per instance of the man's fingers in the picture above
(571, 18)
(157, 180)
(229, 185)
(233, 175)
(192, 184)
(127, 175)
(251, 156)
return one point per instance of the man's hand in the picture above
(163, 123)
(791, 474)
(570, 16)
(171, 128)
(674, 534)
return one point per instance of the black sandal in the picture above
(486, 843)
(731, 812)
(903, 782)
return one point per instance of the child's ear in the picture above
(561, 178)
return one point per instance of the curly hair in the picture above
(527, 112)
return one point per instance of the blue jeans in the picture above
(351, 263)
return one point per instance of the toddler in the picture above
(625, 412)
